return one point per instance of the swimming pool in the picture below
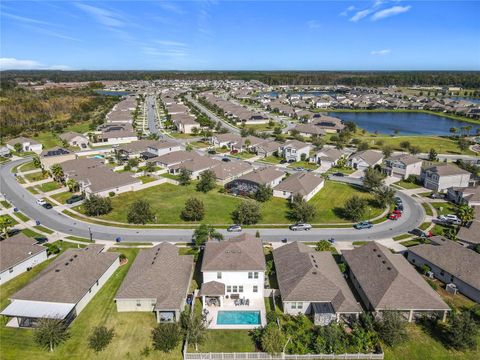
(99, 157)
(238, 318)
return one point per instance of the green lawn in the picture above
(30, 233)
(5, 204)
(12, 220)
(304, 164)
(36, 176)
(132, 330)
(444, 208)
(76, 238)
(227, 341)
(50, 186)
(146, 179)
(244, 155)
(424, 226)
(402, 237)
(28, 167)
(271, 159)
(407, 185)
(343, 170)
(261, 127)
(48, 139)
(168, 201)
(427, 208)
(170, 176)
(33, 190)
(43, 229)
(62, 197)
(21, 216)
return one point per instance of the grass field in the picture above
(168, 201)
(303, 164)
(62, 197)
(43, 229)
(227, 341)
(146, 179)
(407, 185)
(30, 233)
(50, 186)
(36, 176)
(444, 208)
(28, 167)
(21, 216)
(132, 330)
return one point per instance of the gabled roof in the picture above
(447, 170)
(16, 249)
(307, 275)
(69, 135)
(389, 281)
(407, 159)
(227, 170)
(451, 257)
(212, 288)
(158, 273)
(330, 154)
(21, 140)
(240, 253)
(263, 176)
(69, 277)
(300, 183)
(371, 157)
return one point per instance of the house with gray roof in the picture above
(310, 282)
(451, 263)
(63, 288)
(469, 234)
(441, 177)
(158, 281)
(18, 254)
(304, 184)
(362, 160)
(387, 282)
(248, 184)
(328, 157)
(402, 166)
(229, 171)
(75, 139)
(27, 144)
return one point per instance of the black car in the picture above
(47, 205)
(74, 199)
(226, 159)
(283, 161)
(212, 152)
(339, 174)
(399, 207)
(41, 239)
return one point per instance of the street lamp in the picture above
(91, 235)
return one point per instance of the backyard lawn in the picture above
(132, 330)
(444, 208)
(226, 341)
(303, 164)
(168, 201)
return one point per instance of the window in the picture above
(250, 275)
(300, 305)
(240, 288)
(10, 270)
(97, 282)
(294, 305)
(255, 288)
(229, 288)
(219, 275)
(139, 303)
(234, 288)
(255, 275)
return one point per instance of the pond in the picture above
(113, 93)
(406, 123)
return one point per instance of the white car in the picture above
(297, 227)
(449, 218)
(41, 202)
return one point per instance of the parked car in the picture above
(398, 200)
(448, 218)
(300, 227)
(339, 174)
(41, 239)
(399, 207)
(283, 161)
(212, 152)
(74, 199)
(47, 205)
(226, 159)
(234, 228)
(291, 161)
(284, 240)
(363, 225)
(421, 233)
(41, 202)
(435, 195)
(395, 215)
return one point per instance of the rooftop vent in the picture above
(75, 256)
(57, 270)
(378, 255)
(30, 253)
(66, 264)
(384, 262)
(374, 250)
(314, 272)
(389, 268)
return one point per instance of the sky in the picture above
(240, 35)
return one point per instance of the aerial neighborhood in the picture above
(211, 218)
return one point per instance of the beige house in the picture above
(75, 139)
(441, 177)
(304, 184)
(158, 281)
(362, 160)
(27, 144)
(402, 166)
(229, 171)
(56, 155)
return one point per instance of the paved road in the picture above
(212, 116)
(25, 202)
(151, 114)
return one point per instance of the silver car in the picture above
(234, 228)
(300, 227)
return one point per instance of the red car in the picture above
(395, 215)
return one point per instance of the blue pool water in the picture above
(238, 318)
(98, 157)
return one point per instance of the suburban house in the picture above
(175, 161)
(5, 151)
(75, 139)
(310, 282)
(113, 134)
(233, 272)
(362, 160)
(248, 184)
(56, 155)
(27, 144)
(303, 183)
(327, 157)
(461, 195)
(94, 178)
(185, 123)
(147, 149)
(329, 124)
(158, 281)
(451, 263)
(402, 166)
(63, 288)
(469, 234)
(308, 130)
(267, 148)
(387, 282)
(294, 150)
(441, 177)
(229, 171)
(235, 142)
(18, 254)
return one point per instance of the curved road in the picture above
(25, 202)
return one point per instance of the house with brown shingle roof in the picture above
(229, 171)
(18, 254)
(75, 139)
(26, 143)
(387, 282)
(362, 160)
(305, 184)
(443, 176)
(248, 184)
(63, 288)
(402, 166)
(158, 281)
(310, 282)
(451, 263)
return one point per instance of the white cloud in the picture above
(347, 10)
(17, 64)
(313, 24)
(394, 10)
(360, 15)
(103, 16)
(170, 43)
(25, 19)
(382, 52)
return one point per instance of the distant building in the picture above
(56, 155)
(27, 144)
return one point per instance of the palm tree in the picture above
(57, 172)
(72, 185)
(465, 213)
(5, 224)
(36, 162)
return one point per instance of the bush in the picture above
(50, 333)
(166, 337)
(391, 328)
(140, 212)
(194, 210)
(354, 208)
(271, 316)
(52, 249)
(111, 193)
(100, 338)
(246, 213)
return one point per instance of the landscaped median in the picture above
(167, 202)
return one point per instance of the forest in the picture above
(465, 79)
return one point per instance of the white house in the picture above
(75, 139)
(304, 184)
(327, 157)
(444, 176)
(18, 254)
(402, 166)
(51, 294)
(293, 150)
(27, 144)
(365, 159)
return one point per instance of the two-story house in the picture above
(402, 166)
(293, 150)
(441, 177)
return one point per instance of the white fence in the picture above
(266, 356)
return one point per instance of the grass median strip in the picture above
(76, 238)
(21, 216)
(43, 229)
(5, 204)
(30, 233)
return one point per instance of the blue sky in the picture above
(240, 35)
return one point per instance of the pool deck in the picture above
(229, 305)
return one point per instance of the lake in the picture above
(405, 122)
(113, 93)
